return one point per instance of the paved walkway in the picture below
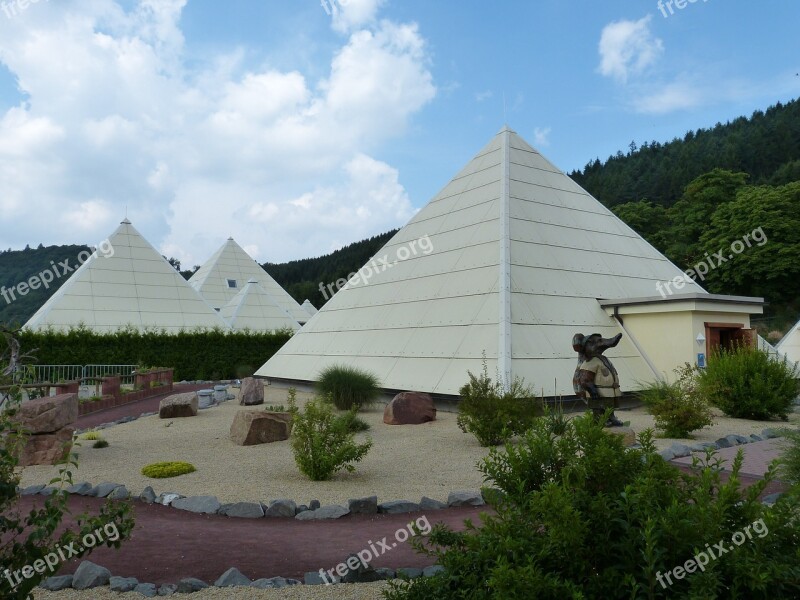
(168, 545)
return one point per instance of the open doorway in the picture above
(727, 336)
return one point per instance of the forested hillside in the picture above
(302, 278)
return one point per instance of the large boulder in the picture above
(252, 392)
(178, 405)
(47, 448)
(409, 408)
(251, 427)
(48, 415)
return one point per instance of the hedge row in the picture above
(199, 354)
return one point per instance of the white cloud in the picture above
(352, 14)
(628, 48)
(541, 136)
(485, 95)
(673, 96)
(114, 118)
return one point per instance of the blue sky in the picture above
(298, 127)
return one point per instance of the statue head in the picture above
(596, 344)
(577, 342)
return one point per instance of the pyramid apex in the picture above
(230, 239)
(506, 129)
(125, 221)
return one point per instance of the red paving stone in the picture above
(168, 545)
(757, 456)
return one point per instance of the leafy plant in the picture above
(790, 461)
(25, 541)
(91, 436)
(353, 423)
(493, 414)
(163, 470)
(580, 516)
(746, 383)
(678, 407)
(275, 408)
(348, 387)
(100, 444)
(322, 443)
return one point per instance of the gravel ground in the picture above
(405, 462)
(361, 591)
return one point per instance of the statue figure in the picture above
(596, 380)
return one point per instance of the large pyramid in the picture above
(133, 286)
(227, 272)
(514, 260)
(252, 308)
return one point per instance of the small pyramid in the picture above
(226, 273)
(132, 286)
(508, 261)
(790, 344)
(308, 307)
(252, 308)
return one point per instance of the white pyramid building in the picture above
(252, 308)
(227, 272)
(790, 344)
(133, 286)
(309, 308)
(514, 260)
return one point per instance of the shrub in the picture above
(746, 383)
(348, 387)
(100, 444)
(322, 443)
(92, 435)
(493, 414)
(25, 541)
(275, 408)
(678, 407)
(353, 423)
(162, 470)
(580, 516)
(790, 461)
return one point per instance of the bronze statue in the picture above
(596, 380)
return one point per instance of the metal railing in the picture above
(57, 373)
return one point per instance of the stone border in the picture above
(678, 450)
(88, 575)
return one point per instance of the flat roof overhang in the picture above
(692, 302)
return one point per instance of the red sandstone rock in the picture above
(251, 427)
(409, 408)
(252, 392)
(48, 415)
(47, 448)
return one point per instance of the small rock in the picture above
(48, 491)
(121, 493)
(281, 508)
(735, 440)
(333, 511)
(408, 573)
(57, 583)
(771, 499)
(314, 505)
(242, 510)
(81, 489)
(314, 578)
(385, 573)
(103, 490)
(433, 570)
(167, 498)
(680, 450)
(363, 506)
(667, 454)
(191, 585)
(465, 498)
(198, 504)
(741, 439)
(167, 589)
(394, 507)
(123, 584)
(32, 490)
(148, 495)
(431, 504)
(756, 438)
(302, 508)
(89, 575)
(769, 434)
(232, 577)
(724, 443)
(148, 590)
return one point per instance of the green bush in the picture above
(790, 461)
(322, 443)
(26, 540)
(493, 414)
(275, 408)
(348, 387)
(91, 436)
(678, 407)
(746, 383)
(353, 423)
(100, 444)
(580, 516)
(162, 470)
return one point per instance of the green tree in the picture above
(649, 220)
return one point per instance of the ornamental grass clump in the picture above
(348, 387)
(163, 470)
